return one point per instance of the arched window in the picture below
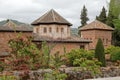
(50, 29)
(45, 30)
(62, 30)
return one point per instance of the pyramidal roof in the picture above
(96, 25)
(10, 23)
(51, 17)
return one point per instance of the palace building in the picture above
(55, 30)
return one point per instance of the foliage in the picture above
(114, 6)
(55, 63)
(88, 65)
(77, 54)
(110, 20)
(102, 17)
(45, 55)
(24, 54)
(84, 59)
(116, 37)
(2, 66)
(99, 52)
(115, 20)
(110, 49)
(114, 53)
(6, 77)
(55, 75)
(56, 60)
(83, 16)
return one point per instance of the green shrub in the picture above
(110, 49)
(115, 55)
(89, 65)
(5, 77)
(114, 52)
(77, 54)
(99, 52)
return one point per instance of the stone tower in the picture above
(52, 25)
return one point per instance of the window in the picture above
(50, 29)
(82, 47)
(37, 30)
(62, 30)
(45, 30)
(57, 30)
(103, 41)
(106, 41)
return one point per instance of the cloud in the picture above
(29, 10)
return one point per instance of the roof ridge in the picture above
(53, 15)
(96, 25)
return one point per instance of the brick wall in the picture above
(59, 47)
(6, 36)
(94, 35)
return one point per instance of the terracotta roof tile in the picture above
(11, 26)
(96, 25)
(51, 17)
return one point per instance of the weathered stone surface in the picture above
(110, 78)
(109, 73)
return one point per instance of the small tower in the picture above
(52, 25)
(96, 30)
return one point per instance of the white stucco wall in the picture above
(53, 33)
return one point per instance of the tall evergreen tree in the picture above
(99, 52)
(83, 16)
(110, 19)
(102, 17)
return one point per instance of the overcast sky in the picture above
(28, 10)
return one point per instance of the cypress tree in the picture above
(102, 17)
(99, 52)
(83, 16)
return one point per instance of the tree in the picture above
(99, 52)
(83, 16)
(102, 17)
(110, 19)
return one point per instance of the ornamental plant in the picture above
(99, 52)
(78, 54)
(24, 54)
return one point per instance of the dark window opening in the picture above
(37, 30)
(62, 30)
(50, 29)
(45, 30)
(57, 30)
(82, 47)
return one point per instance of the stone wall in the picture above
(71, 73)
(6, 36)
